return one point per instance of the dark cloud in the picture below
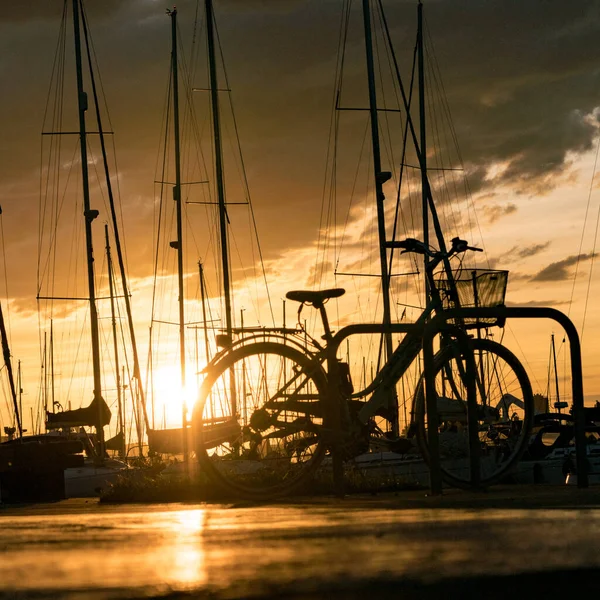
(532, 250)
(31, 10)
(559, 271)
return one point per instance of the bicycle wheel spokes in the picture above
(259, 419)
(504, 413)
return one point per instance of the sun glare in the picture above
(169, 396)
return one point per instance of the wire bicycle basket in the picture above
(476, 288)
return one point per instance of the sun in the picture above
(169, 396)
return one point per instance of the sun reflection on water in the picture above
(188, 555)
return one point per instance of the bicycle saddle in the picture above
(316, 298)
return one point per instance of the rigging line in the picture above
(592, 260)
(91, 52)
(453, 203)
(55, 68)
(58, 77)
(445, 202)
(111, 201)
(5, 279)
(329, 209)
(446, 105)
(166, 113)
(587, 209)
(407, 104)
(52, 242)
(331, 152)
(548, 378)
(399, 212)
(244, 174)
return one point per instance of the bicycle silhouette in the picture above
(265, 417)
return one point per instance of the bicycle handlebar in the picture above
(418, 247)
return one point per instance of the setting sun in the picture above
(169, 396)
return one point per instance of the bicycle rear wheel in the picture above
(258, 422)
(504, 413)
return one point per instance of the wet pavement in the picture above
(499, 545)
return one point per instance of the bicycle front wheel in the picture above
(259, 419)
(504, 413)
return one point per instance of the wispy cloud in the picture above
(539, 303)
(497, 211)
(560, 270)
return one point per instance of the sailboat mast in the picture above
(204, 318)
(20, 392)
(380, 178)
(89, 216)
(214, 94)
(555, 371)
(136, 363)
(113, 316)
(179, 243)
(423, 137)
(8, 364)
(52, 363)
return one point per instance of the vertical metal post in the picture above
(380, 179)
(115, 345)
(216, 118)
(423, 138)
(179, 243)
(7, 363)
(89, 216)
(220, 180)
(204, 320)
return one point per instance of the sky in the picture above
(522, 86)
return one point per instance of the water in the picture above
(80, 551)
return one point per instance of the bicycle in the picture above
(263, 422)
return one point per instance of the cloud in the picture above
(559, 271)
(532, 250)
(28, 10)
(519, 99)
(538, 303)
(497, 211)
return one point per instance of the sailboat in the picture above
(70, 422)
(177, 440)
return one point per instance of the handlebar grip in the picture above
(408, 245)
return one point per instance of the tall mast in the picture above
(423, 136)
(45, 374)
(380, 179)
(136, 363)
(179, 243)
(20, 394)
(555, 372)
(52, 363)
(204, 319)
(115, 346)
(8, 364)
(89, 216)
(214, 94)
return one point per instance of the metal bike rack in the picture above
(429, 332)
(439, 323)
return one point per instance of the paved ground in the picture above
(511, 542)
